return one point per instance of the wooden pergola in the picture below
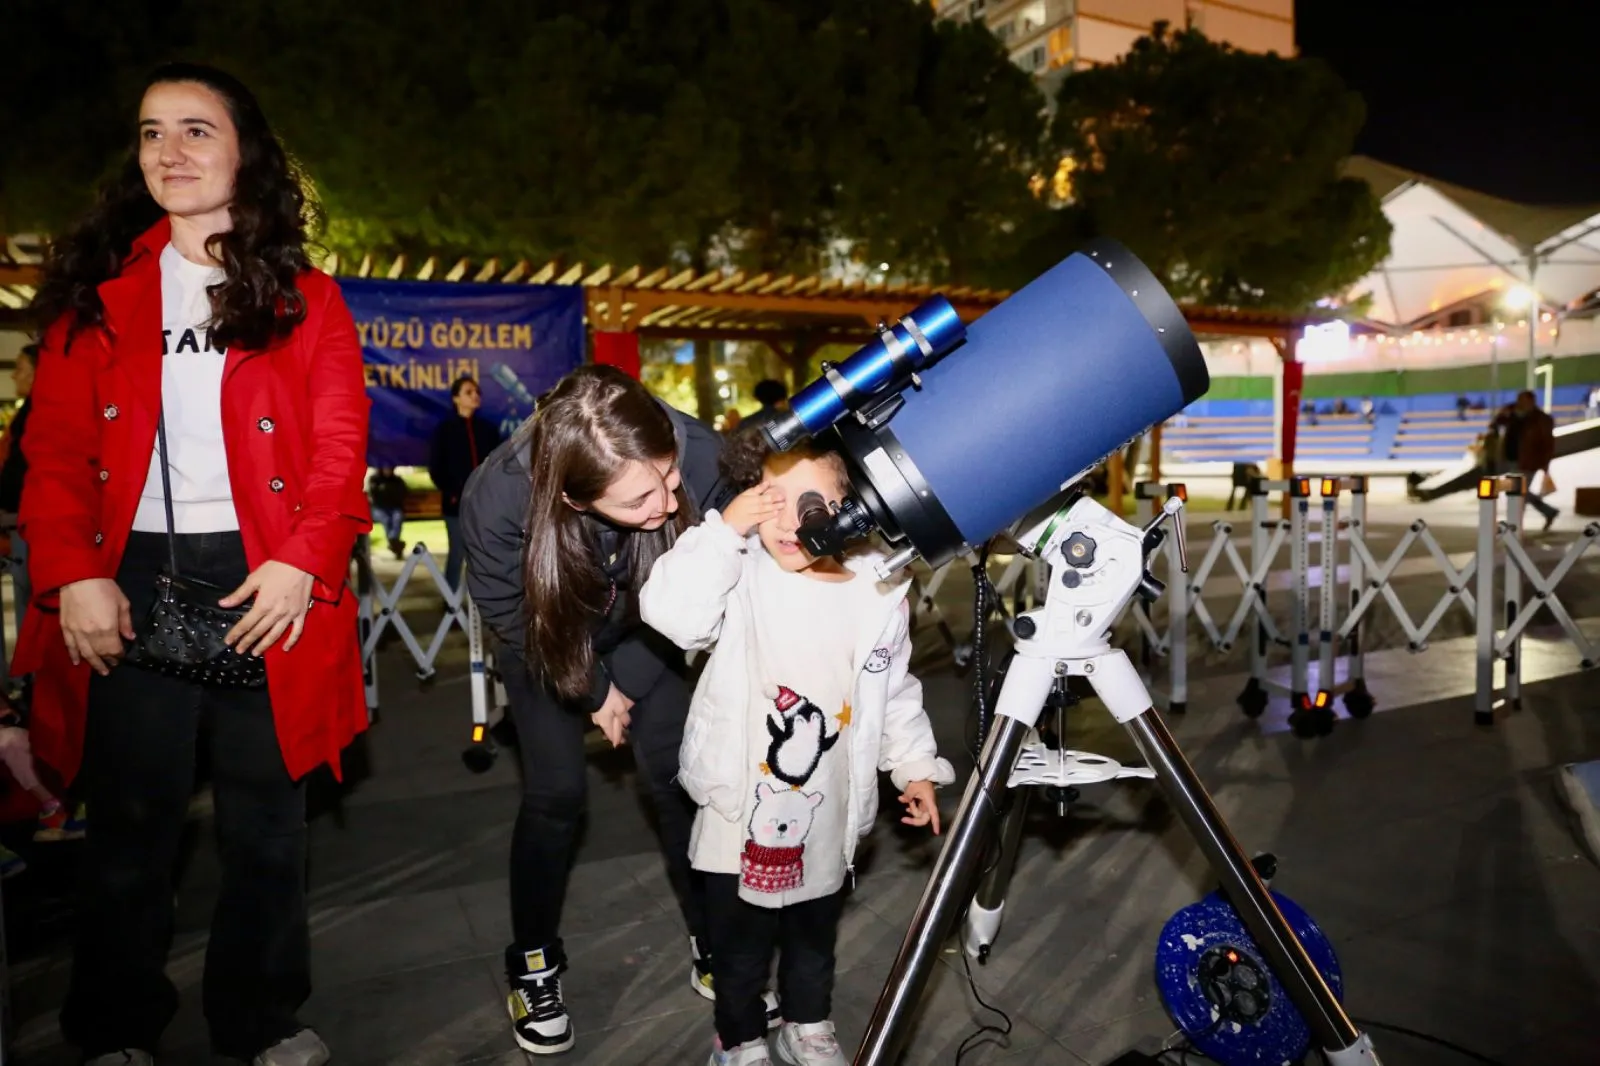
(793, 315)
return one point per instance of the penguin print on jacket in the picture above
(800, 738)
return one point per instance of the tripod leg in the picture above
(988, 906)
(1342, 1043)
(950, 886)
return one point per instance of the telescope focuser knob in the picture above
(1079, 551)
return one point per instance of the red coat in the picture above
(294, 425)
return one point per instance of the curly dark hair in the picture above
(746, 453)
(261, 256)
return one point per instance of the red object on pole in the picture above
(620, 350)
(1293, 379)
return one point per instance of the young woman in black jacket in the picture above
(459, 446)
(561, 525)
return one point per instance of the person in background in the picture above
(774, 399)
(387, 492)
(1528, 443)
(1591, 408)
(16, 756)
(1369, 410)
(15, 470)
(460, 444)
(731, 418)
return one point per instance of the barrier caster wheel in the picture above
(1359, 703)
(1253, 700)
(1310, 722)
(479, 758)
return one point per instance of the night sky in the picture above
(1498, 97)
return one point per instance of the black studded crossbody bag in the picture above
(182, 634)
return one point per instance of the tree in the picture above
(1219, 169)
(67, 113)
(767, 135)
(758, 132)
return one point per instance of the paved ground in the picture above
(1434, 853)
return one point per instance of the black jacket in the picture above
(387, 491)
(459, 446)
(16, 466)
(494, 505)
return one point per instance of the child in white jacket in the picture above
(805, 698)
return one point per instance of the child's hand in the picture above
(752, 507)
(920, 805)
(614, 718)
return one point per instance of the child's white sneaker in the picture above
(750, 1053)
(809, 1044)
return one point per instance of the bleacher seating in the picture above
(1425, 429)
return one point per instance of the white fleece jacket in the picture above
(701, 595)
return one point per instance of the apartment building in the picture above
(1050, 38)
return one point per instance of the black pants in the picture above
(138, 774)
(1536, 502)
(554, 793)
(743, 938)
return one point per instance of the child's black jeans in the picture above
(743, 940)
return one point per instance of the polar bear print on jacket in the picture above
(774, 852)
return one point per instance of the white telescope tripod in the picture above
(1097, 563)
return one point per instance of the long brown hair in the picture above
(588, 428)
(261, 256)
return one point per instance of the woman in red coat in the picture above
(186, 294)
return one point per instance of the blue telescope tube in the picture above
(1067, 370)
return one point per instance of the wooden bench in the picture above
(423, 506)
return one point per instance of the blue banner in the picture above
(418, 337)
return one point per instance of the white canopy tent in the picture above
(1452, 245)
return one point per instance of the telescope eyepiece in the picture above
(811, 508)
(826, 533)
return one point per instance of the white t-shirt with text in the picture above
(191, 398)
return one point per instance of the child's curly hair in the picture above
(747, 453)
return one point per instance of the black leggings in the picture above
(554, 797)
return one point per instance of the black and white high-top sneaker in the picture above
(539, 1018)
(700, 980)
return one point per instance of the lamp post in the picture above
(1494, 363)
